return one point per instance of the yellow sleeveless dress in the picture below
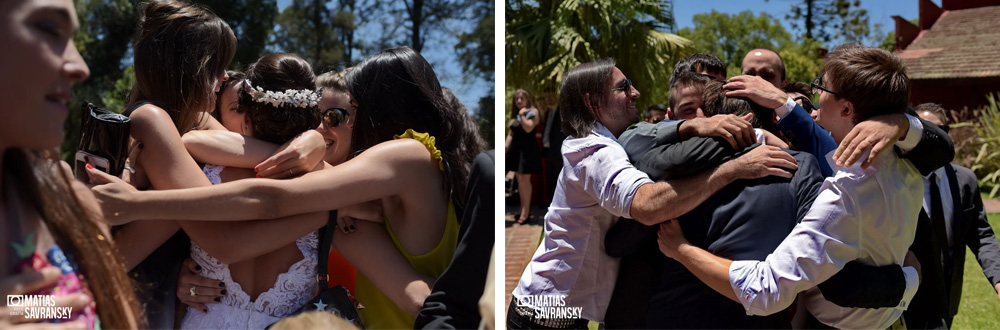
(380, 312)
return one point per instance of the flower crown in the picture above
(300, 98)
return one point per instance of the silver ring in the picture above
(290, 172)
(193, 293)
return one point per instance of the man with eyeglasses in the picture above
(864, 214)
(906, 131)
(952, 218)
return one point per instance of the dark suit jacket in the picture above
(939, 293)
(745, 220)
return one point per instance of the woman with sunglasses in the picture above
(411, 152)
(216, 147)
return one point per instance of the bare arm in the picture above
(383, 170)
(528, 124)
(299, 155)
(654, 203)
(167, 166)
(371, 251)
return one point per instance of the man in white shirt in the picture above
(570, 278)
(869, 215)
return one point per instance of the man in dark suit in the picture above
(952, 218)
(747, 219)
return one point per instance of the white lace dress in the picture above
(292, 290)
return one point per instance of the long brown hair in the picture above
(75, 230)
(588, 78)
(513, 103)
(397, 89)
(180, 49)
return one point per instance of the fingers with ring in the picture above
(192, 291)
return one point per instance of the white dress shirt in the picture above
(866, 215)
(947, 203)
(595, 187)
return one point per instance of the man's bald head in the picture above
(767, 64)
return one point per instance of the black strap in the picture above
(128, 111)
(325, 242)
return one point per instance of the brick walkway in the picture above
(520, 242)
(992, 205)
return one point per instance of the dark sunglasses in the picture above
(333, 117)
(806, 103)
(625, 87)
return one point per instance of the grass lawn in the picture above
(980, 308)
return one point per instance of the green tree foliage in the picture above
(251, 21)
(104, 38)
(731, 36)
(831, 21)
(987, 161)
(545, 39)
(475, 47)
(305, 28)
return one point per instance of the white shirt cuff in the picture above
(913, 135)
(738, 272)
(786, 108)
(912, 282)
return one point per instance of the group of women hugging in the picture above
(230, 176)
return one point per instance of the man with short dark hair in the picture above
(685, 96)
(952, 218)
(867, 215)
(701, 63)
(656, 113)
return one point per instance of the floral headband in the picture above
(300, 98)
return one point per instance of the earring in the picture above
(245, 128)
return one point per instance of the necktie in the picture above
(937, 221)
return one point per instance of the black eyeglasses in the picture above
(333, 117)
(626, 86)
(817, 85)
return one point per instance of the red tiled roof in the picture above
(961, 44)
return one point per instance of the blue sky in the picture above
(879, 11)
(442, 57)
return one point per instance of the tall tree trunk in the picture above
(317, 26)
(417, 18)
(809, 19)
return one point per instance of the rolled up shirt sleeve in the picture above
(613, 180)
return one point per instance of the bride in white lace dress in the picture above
(261, 289)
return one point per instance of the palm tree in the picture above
(546, 38)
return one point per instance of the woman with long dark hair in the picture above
(46, 217)
(523, 156)
(410, 151)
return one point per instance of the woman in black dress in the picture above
(523, 156)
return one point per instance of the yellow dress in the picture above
(380, 312)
